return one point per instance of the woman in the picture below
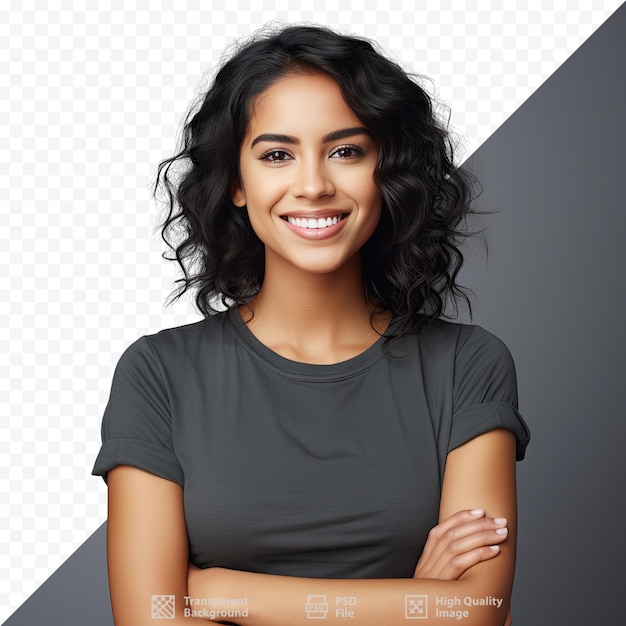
(326, 448)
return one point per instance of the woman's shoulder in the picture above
(476, 357)
(440, 334)
(452, 349)
(169, 345)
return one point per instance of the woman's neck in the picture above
(314, 318)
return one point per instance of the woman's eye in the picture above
(276, 156)
(347, 152)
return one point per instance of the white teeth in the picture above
(322, 222)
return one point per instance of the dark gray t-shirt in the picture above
(330, 471)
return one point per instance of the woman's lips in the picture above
(315, 227)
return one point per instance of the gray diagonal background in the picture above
(552, 288)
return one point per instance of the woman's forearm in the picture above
(481, 471)
(291, 601)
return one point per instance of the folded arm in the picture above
(147, 549)
(457, 572)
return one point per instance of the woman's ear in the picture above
(237, 195)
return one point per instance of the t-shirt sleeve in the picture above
(137, 423)
(485, 391)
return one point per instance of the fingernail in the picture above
(477, 511)
(502, 531)
(500, 521)
(494, 548)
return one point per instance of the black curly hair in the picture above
(411, 262)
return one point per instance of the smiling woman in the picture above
(327, 446)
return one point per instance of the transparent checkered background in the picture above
(91, 101)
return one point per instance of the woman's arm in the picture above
(485, 468)
(480, 473)
(147, 548)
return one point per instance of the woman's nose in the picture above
(312, 180)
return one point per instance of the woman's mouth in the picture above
(316, 228)
(315, 223)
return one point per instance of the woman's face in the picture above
(307, 175)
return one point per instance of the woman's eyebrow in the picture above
(274, 137)
(346, 132)
(334, 136)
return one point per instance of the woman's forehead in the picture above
(308, 103)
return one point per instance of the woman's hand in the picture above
(460, 542)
